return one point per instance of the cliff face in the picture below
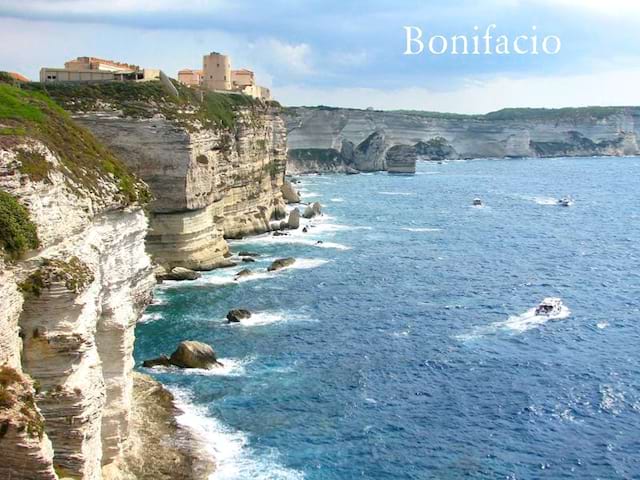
(74, 279)
(317, 136)
(215, 166)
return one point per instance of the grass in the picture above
(146, 99)
(73, 273)
(29, 112)
(17, 232)
(34, 165)
(17, 404)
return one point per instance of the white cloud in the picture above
(617, 87)
(113, 6)
(614, 8)
(287, 57)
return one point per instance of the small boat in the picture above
(565, 202)
(477, 202)
(549, 306)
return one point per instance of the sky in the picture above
(349, 53)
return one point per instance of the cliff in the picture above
(74, 279)
(215, 163)
(324, 138)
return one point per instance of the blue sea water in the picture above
(403, 346)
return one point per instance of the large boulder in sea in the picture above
(161, 361)
(294, 219)
(193, 354)
(281, 263)
(243, 273)
(401, 159)
(312, 210)
(238, 314)
(289, 193)
(181, 273)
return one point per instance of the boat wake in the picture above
(405, 194)
(515, 323)
(421, 229)
(230, 449)
(545, 200)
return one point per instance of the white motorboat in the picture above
(477, 202)
(549, 306)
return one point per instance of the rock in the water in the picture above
(289, 194)
(305, 230)
(243, 273)
(294, 219)
(226, 263)
(279, 234)
(180, 273)
(281, 263)
(238, 314)
(401, 159)
(248, 254)
(161, 361)
(369, 156)
(283, 225)
(192, 354)
(312, 210)
(248, 259)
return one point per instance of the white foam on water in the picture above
(305, 194)
(406, 194)
(427, 173)
(306, 263)
(337, 200)
(515, 323)
(529, 319)
(611, 401)
(545, 200)
(150, 317)
(230, 368)
(421, 229)
(602, 325)
(260, 319)
(230, 449)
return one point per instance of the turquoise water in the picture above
(403, 346)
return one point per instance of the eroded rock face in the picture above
(84, 290)
(181, 273)
(289, 194)
(317, 136)
(208, 184)
(401, 159)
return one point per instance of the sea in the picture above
(403, 342)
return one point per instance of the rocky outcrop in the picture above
(294, 219)
(180, 273)
(401, 159)
(78, 260)
(289, 194)
(215, 165)
(176, 452)
(312, 210)
(321, 139)
(237, 315)
(192, 354)
(281, 263)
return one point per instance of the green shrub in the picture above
(17, 232)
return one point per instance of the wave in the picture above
(337, 200)
(230, 368)
(602, 325)
(230, 449)
(421, 229)
(268, 318)
(406, 194)
(515, 323)
(150, 317)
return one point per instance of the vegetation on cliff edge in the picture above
(17, 232)
(146, 99)
(27, 112)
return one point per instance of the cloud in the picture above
(482, 95)
(284, 57)
(613, 8)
